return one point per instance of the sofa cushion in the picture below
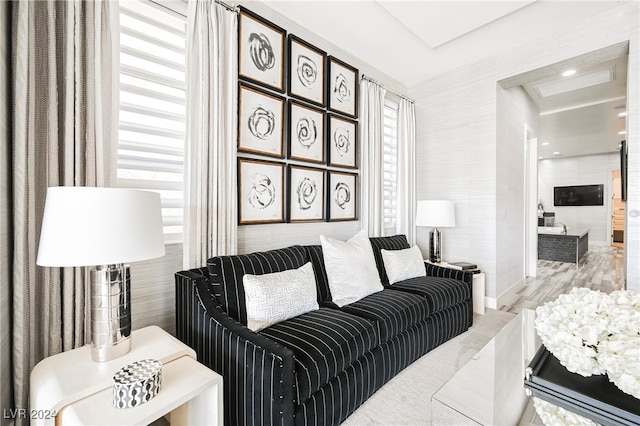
(393, 311)
(271, 298)
(322, 281)
(441, 293)
(403, 264)
(324, 343)
(226, 273)
(351, 268)
(395, 242)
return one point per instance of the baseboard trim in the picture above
(599, 243)
(490, 303)
(507, 297)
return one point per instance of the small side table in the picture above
(70, 388)
(478, 286)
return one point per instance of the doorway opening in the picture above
(617, 211)
(575, 124)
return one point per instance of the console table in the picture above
(70, 388)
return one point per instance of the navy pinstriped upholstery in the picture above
(322, 281)
(257, 373)
(448, 323)
(393, 311)
(324, 342)
(230, 270)
(439, 292)
(396, 242)
(467, 277)
(332, 404)
(317, 368)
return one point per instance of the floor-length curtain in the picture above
(65, 114)
(372, 143)
(406, 205)
(210, 214)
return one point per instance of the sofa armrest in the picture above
(442, 272)
(258, 373)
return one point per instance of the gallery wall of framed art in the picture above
(297, 128)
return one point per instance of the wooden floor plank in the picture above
(601, 268)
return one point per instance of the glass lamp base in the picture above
(435, 246)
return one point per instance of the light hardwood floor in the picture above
(601, 268)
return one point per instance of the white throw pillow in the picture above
(351, 268)
(403, 264)
(272, 298)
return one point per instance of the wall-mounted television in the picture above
(578, 195)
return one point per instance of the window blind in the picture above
(152, 124)
(390, 166)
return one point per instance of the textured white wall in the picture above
(456, 160)
(457, 142)
(583, 170)
(153, 290)
(515, 112)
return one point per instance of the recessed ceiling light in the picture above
(622, 132)
(557, 153)
(582, 81)
(568, 73)
(545, 143)
(539, 158)
(622, 114)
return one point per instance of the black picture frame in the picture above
(342, 87)
(261, 50)
(342, 196)
(306, 71)
(342, 142)
(261, 121)
(306, 133)
(306, 194)
(261, 191)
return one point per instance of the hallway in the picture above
(601, 268)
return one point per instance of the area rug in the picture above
(406, 399)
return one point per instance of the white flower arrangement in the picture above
(572, 326)
(591, 332)
(619, 354)
(552, 415)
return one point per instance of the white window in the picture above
(152, 106)
(390, 166)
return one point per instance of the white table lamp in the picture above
(435, 214)
(103, 227)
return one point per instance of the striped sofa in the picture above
(316, 368)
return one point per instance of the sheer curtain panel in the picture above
(405, 220)
(65, 115)
(211, 207)
(372, 146)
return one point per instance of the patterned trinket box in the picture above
(137, 383)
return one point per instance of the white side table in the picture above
(70, 388)
(478, 288)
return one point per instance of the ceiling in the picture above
(413, 41)
(586, 120)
